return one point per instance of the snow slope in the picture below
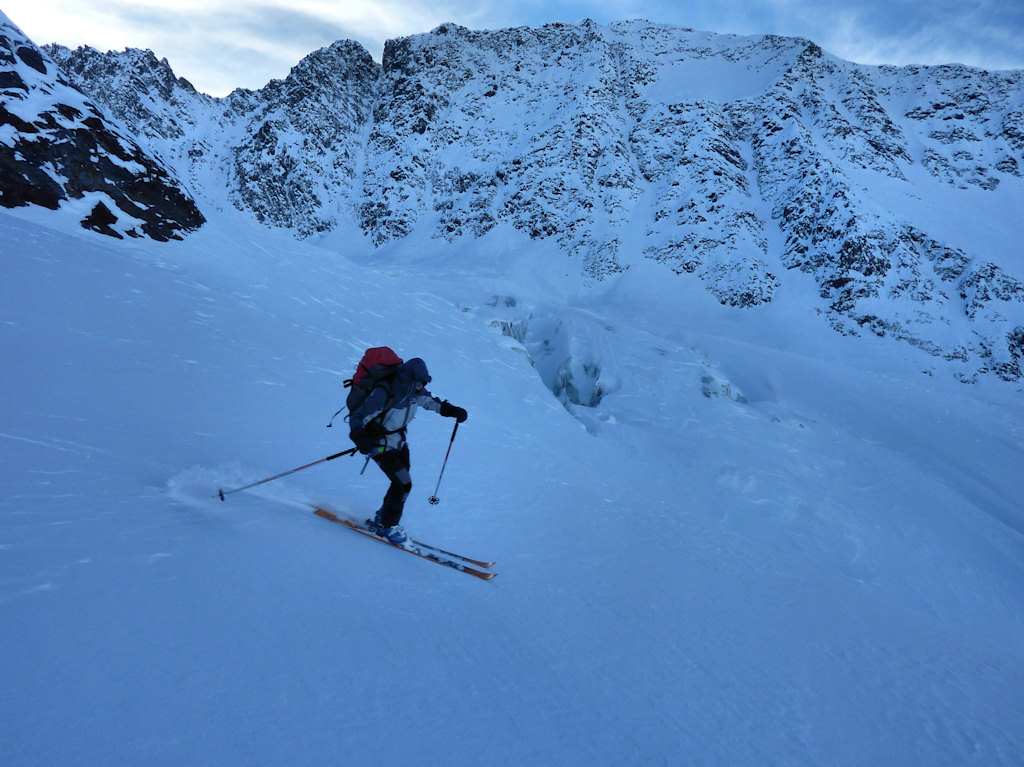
(764, 544)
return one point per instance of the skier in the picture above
(377, 427)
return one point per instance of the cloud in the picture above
(228, 45)
(981, 33)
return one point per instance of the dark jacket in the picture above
(393, 404)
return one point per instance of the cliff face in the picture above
(290, 153)
(739, 161)
(57, 148)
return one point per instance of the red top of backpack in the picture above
(378, 355)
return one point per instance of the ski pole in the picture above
(222, 493)
(434, 499)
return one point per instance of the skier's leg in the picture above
(395, 465)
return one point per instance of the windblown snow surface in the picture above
(724, 536)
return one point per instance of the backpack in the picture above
(378, 366)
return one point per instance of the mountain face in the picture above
(748, 163)
(57, 148)
(290, 153)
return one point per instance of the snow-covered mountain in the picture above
(57, 148)
(290, 153)
(741, 161)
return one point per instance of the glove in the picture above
(364, 442)
(449, 410)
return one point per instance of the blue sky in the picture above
(222, 44)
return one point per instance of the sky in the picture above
(220, 45)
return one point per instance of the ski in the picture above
(422, 545)
(425, 552)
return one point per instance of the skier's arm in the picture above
(428, 401)
(445, 408)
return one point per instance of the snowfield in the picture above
(764, 542)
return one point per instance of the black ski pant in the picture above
(395, 464)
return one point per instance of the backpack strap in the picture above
(336, 413)
(383, 383)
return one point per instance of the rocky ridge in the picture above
(290, 153)
(57, 148)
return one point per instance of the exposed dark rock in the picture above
(59, 146)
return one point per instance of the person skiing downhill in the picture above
(378, 426)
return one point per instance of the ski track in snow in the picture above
(764, 544)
